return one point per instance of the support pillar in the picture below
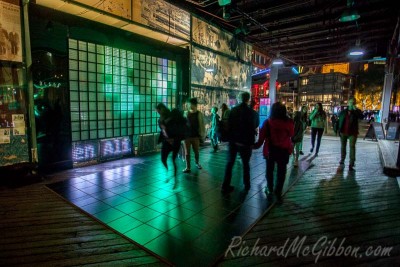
(28, 81)
(386, 95)
(273, 76)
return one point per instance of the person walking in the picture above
(334, 120)
(164, 113)
(196, 131)
(348, 130)
(276, 133)
(242, 123)
(224, 127)
(300, 125)
(318, 121)
(214, 130)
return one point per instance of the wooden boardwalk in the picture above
(38, 228)
(360, 209)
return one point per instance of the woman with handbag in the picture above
(276, 133)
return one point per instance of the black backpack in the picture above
(176, 125)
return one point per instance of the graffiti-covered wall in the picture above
(213, 97)
(224, 42)
(211, 69)
(221, 67)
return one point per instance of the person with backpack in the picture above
(276, 133)
(172, 125)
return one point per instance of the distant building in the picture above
(331, 89)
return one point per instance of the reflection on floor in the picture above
(190, 225)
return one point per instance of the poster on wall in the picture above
(4, 135)
(10, 31)
(18, 124)
(120, 8)
(210, 69)
(209, 36)
(163, 16)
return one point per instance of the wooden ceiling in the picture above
(305, 32)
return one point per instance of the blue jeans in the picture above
(314, 133)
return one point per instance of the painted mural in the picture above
(209, 36)
(120, 8)
(163, 16)
(210, 69)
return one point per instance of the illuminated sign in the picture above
(82, 152)
(101, 150)
(115, 148)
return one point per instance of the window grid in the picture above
(113, 92)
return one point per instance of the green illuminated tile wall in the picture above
(113, 91)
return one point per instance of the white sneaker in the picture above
(198, 166)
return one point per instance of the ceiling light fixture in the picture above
(277, 61)
(357, 50)
(350, 13)
(224, 2)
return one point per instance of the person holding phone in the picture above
(348, 130)
(318, 122)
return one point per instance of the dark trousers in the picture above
(314, 133)
(245, 154)
(280, 157)
(168, 146)
(352, 140)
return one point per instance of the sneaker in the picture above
(351, 168)
(228, 189)
(199, 166)
(186, 170)
(301, 152)
(311, 150)
(316, 154)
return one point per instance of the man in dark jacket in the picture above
(348, 129)
(242, 123)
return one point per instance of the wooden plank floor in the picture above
(362, 209)
(38, 228)
(328, 204)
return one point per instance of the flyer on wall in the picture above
(10, 31)
(4, 135)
